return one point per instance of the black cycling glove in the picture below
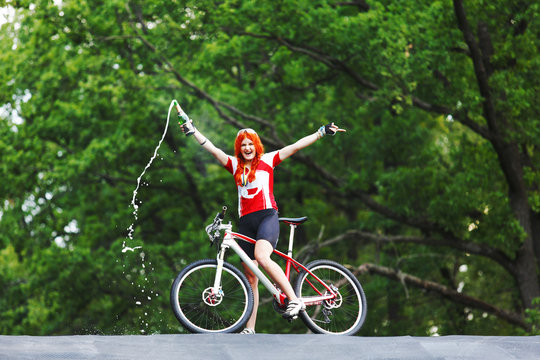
(326, 130)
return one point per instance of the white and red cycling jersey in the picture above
(259, 194)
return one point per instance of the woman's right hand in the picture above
(188, 128)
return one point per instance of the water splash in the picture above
(127, 248)
(130, 229)
(144, 296)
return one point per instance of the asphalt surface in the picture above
(267, 346)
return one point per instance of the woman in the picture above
(253, 172)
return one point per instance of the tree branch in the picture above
(467, 247)
(460, 116)
(339, 65)
(479, 68)
(329, 61)
(454, 243)
(444, 291)
(362, 4)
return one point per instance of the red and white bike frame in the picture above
(324, 292)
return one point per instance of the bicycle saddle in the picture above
(294, 221)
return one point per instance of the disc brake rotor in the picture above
(212, 298)
(334, 302)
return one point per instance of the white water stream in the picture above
(134, 198)
(145, 295)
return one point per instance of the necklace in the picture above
(245, 176)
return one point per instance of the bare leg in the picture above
(263, 250)
(254, 282)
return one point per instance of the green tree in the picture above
(435, 184)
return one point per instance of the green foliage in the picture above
(533, 318)
(84, 92)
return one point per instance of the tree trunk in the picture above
(525, 262)
(508, 154)
(535, 227)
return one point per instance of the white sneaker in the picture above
(247, 331)
(293, 309)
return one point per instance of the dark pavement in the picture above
(267, 346)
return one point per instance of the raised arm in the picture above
(211, 148)
(189, 129)
(290, 150)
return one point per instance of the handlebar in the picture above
(221, 215)
(213, 229)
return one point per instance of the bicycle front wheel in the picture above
(343, 315)
(202, 310)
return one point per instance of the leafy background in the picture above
(431, 197)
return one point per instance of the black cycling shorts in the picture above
(259, 225)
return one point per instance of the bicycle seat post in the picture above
(291, 239)
(289, 251)
(293, 223)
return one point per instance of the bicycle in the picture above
(213, 296)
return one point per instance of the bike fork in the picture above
(219, 270)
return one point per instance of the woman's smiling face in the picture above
(247, 149)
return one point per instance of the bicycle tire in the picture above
(347, 314)
(226, 313)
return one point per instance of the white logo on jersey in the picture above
(250, 190)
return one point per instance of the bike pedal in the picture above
(290, 319)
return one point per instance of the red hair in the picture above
(259, 150)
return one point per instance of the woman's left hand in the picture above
(330, 129)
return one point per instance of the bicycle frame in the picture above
(230, 242)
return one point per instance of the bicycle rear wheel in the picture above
(343, 315)
(200, 310)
